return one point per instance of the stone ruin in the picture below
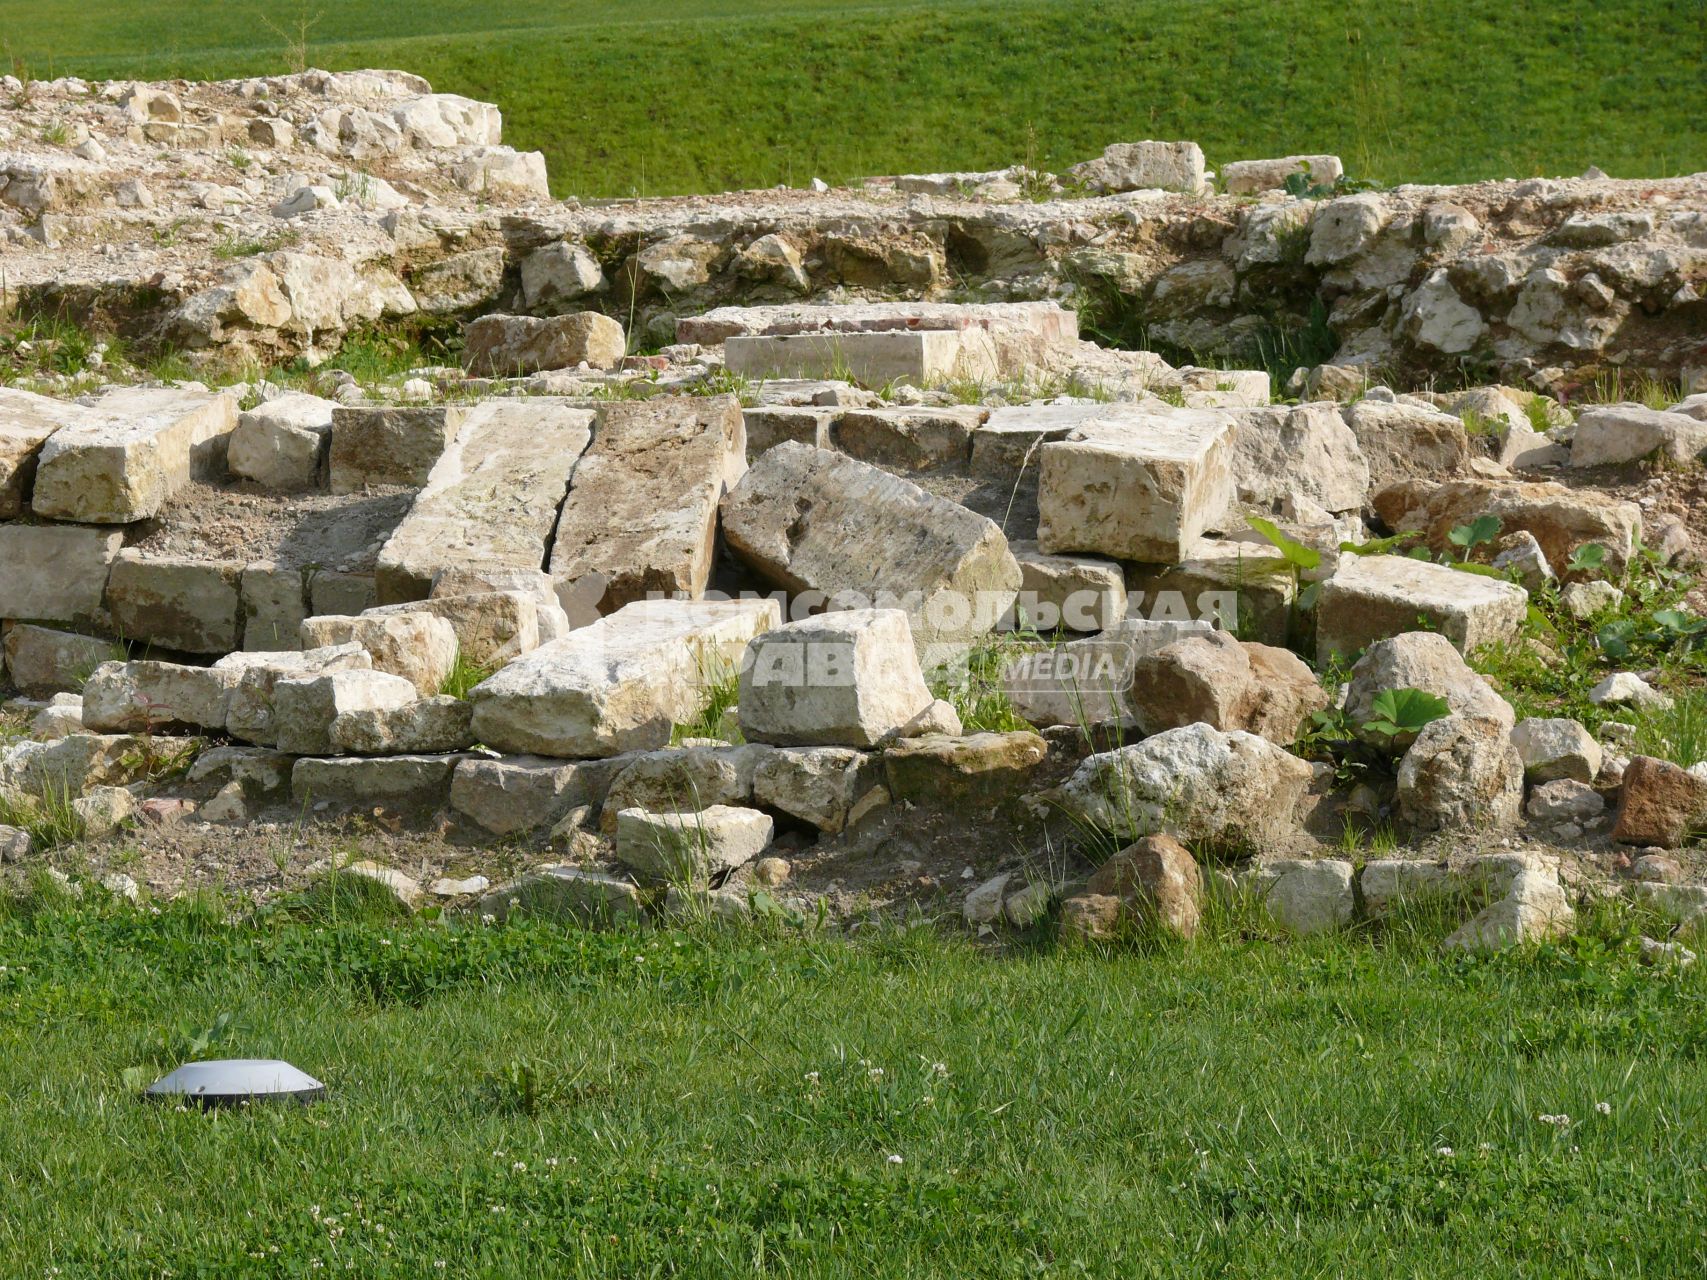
(671, 623)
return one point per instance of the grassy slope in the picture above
(674, 96)
(1242, 1108)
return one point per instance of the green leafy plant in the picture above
(1405, 711)
(1481, 531)
(1588, 558)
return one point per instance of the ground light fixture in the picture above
(230, 1082)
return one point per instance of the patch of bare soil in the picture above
(242, 521)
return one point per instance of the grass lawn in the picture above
(665, 96)
(529, 1100)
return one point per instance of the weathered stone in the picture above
(1217, 680)
(847, 679)
(73, 763)
(340, 593)
(142, 697)
(1564, 800)
(1233, 790)
(55, 573)
(690, 848)
(572, 894)
(1088, 917)
(908, 439)
(1607, 435)
(975, 773)
(137, 447)
(559, 273)
(1230, 583)
(820, 785)
(813, 521)
(41, 661)
(193, 606)
(1250, 177)
(1560, 519)
(425, 726)
(14, 844)
(282, 443)
(682, 779)
(249, 714)
(1520, 554)
(1141, 166)
(26, 422)
(1406, 441)
(770, 425)
(1387, 883)
(1305, 897)
(418, 784)
(1307, 451)
(304, 707)
(1076, 593)
(923, 358)
(1424, 660)
(1626, 688)
(490, 501)
(492, 628)
(1345, 228)
(1087, 682)
(101, 811)
(1536, 908)
(419, 647)
(517, 794)
(1136, 485)
(1461, 774)
(390, 446)
(1660, 804)
(513, 346)
(62, 716)
(1436, 317)
(1158, 882)
(275, 602)
(1371, 598)
(619, 684)
(642, 507)
(1554, 749)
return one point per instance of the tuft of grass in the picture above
(47, 815)
(464, 674)
(1677, 733)
(719, 692)
(975, 689)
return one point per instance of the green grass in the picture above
(665, 96)
(531, 1100)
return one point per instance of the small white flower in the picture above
(811, 1077)
(940, 1068)
(895, 1159)
(519, 1166)
(1605, 1108)
(1560, 1121)
(486, 917)
(1443, 1151)
(876, 1073)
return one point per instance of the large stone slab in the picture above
(1136, 484)
(192, 606)
(55, 573)
(491, 499)
(136, 447)
(1560, 519)
(513, 346)
(1021, 331)
(620, 684)
(413, 784)
(514, 794)
(390, 446)
(147, 696)
(845, 679)
(282, 443)
(1302, 452)
(809, 520)
(420, 647)
(925, 358)
(26, 422)
(305, 707)
(1406, 441)
(1371, 598)
(250, 711)
(1608, 435)
(642, 507)
(41, 661)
